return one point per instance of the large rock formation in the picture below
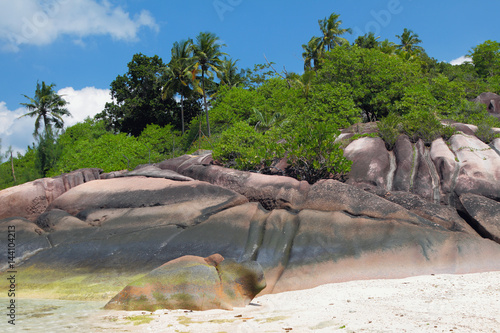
(191, 282)
(484, 214)
(416, 210)
(31, 199)
(491, 100)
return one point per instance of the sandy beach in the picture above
(433, 303)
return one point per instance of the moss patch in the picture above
(140, 319)
(221, 321)
(186, 321)
(272, 319)
(75, 284)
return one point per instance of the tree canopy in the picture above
(47, 106)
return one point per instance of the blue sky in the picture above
(82, 45)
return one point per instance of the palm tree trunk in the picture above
(205, 100)
(182, 113)
(12, 166)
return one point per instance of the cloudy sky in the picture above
(82, 45)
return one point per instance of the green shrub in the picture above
(313, 155)
(241, 147)
(485, 132)
(310, 150)
(389, 129)
(425, 126)
(417, 125)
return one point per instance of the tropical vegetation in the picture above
(252, 117)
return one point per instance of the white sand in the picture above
(440, 303)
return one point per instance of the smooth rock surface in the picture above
(371, 162)
(479, 167)
(485, 213)
(31, 199)
(195, 283)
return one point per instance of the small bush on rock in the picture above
(389, 129)
(313, 155)
(309, 149)
(485, 133)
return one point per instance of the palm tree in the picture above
(330, 27)
(409, 41)
(313, 51)
(207, 56)
(229, 75)
(47, 106)
(305, 82)
(266, 121)
(367, 41)
(178, 74)
(387, 47)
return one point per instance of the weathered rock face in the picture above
(371, 163)
(496, 145)
(271, 191)
(479, 171)
(443, 215)
(438, 174)
(405, 155)
(31, 199)
(485, 214)
(447, 168)
(196, 283)
(491, 100)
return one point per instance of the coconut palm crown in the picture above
(47, 106)
(207, 57)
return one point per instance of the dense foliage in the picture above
(252, 118)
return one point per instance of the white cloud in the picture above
(84, 103)
(40, 22)
(461, 60)
(18, 133)
(15, 132)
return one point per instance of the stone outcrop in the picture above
(371, 163)
(31, 199)
(192, 282)
(484, 214)
(405, 155)
(439, 173)
(479, 171)
(491, 100)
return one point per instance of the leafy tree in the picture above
(47, 106)
(207, 56)
(486, 58)
(137, 98)
(258, 75)
(47, 153)
(110, 152)
(368, 41)
(25, 169)
(162, 142)
(330, 27)
(90, 129)
(409, 41)
(179, 74)
(375, 81)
